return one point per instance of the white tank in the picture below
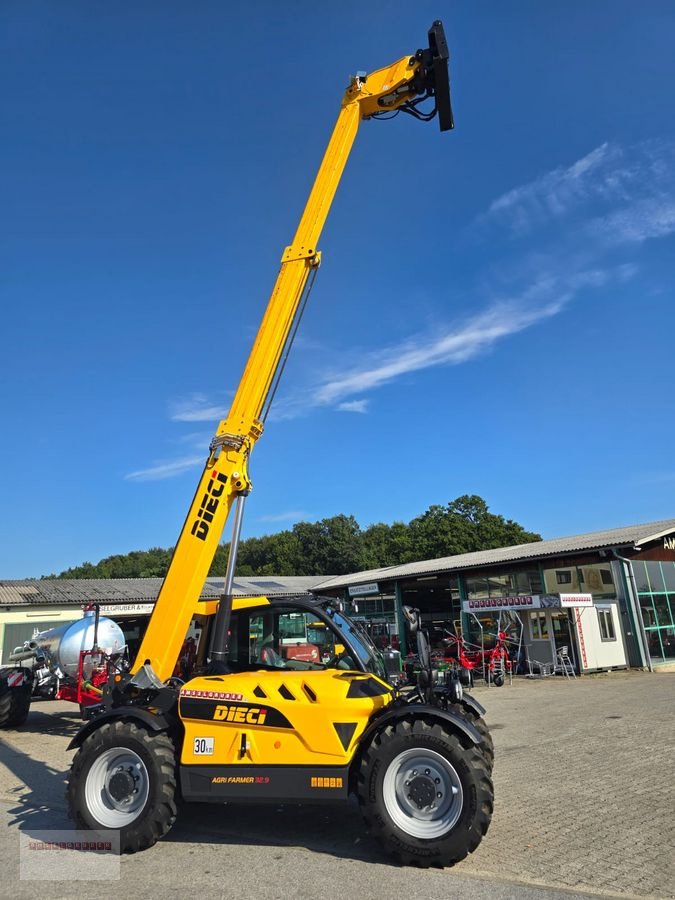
(62, 646)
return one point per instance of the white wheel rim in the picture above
(117, 787)
(422, 793)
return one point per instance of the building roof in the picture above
(628, 536)
(80, 591)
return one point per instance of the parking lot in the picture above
(585, 804)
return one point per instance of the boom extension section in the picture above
(400, 87)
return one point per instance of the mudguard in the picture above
(129, 713)
(468, 700)
(415, 710)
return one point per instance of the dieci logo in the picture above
(251, 715)
(209, 505)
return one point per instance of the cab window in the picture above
(284, 638)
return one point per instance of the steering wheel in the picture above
(340, 661)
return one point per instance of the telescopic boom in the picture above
(402, 86)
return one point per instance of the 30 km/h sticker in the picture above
(203, 746)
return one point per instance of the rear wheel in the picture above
(426, 796)
(124, 778)
(14, 698)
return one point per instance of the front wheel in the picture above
(486, 745)
(426, 796)
(124, 778)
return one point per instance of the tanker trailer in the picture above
(68, 662)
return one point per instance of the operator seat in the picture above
(270, 657)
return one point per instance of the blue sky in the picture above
(494, 312)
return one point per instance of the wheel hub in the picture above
(422, 791)
(122, 785)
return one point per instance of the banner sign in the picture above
(495, 604)
(576, 599)
(360, 589)
(536, 601)
(126, 609)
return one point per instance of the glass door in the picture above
(561, 634)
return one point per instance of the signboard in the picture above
(360, 590)
(668, 543)
(536, 601)
(576, 600)
(126, 609)
(495, 604)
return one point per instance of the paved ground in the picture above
(585, 805)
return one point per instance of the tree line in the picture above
(338, 545)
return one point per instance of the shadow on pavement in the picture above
(42, 719)
(39, 798)
(337, 830)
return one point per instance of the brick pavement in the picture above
(584, 783)
(585, 801)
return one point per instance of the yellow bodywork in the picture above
(225, 475)
(311, 702)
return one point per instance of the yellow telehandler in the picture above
(261, 723)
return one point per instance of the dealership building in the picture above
(607, 597)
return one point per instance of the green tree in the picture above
(337, 545)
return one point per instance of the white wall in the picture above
(594, 653)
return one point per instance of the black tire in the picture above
(486, 745)
(498, 680)
(389, 767)
(144, 764)
(14, 701)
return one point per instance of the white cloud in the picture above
(356, 406)
(546, 296)
(634, 186)
(456, 345)
(647, 219)
(554, 193)
(198, 408)
(167, 469)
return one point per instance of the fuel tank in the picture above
(62, 646)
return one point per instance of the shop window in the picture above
(477, 588)
(563, 576)
(538, 626)
(662, 608)
(654, 643)
(655, 577)
(500, 585)
(606, 623)
(535, 583)
(668, 569)
(641, 580)
(648, 615)
(668, 642)
(597, 579)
